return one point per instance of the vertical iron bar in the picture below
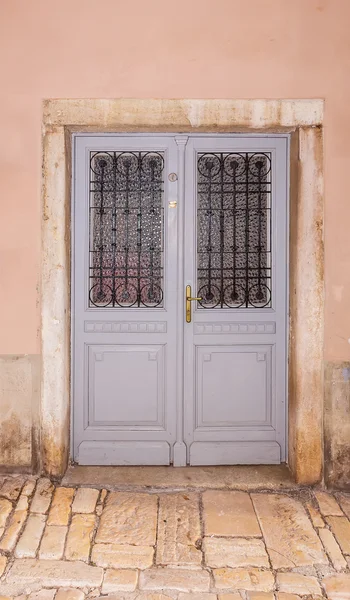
(139, 234)
(259, 229)
(234, 209)
(222, 233)
(209, 233)
(151, 291)
(102, 165)
(114, 225)
(126, 213)
(247, 233)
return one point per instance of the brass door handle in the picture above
(189, 299)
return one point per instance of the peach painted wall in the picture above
(158, 48)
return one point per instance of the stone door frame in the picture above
(303, 119)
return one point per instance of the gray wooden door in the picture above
(154, 216)
(235, 261)
(124, 310)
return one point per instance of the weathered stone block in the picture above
(54, 573)
(178, 530)
(238, 552)
(31, 536)
(79, 537)
(298, 584)
(332, 549)
(122, 556)
(116, 580)
(5, 509)
(129, 519)
(244, 579)
(328, 504)
(290, 538)
(52, 543)
(341, 529)
(10, 536)
(337, 587)
(61, 506)
(85, 500)
(42, 497)
(183, 580)
(229, 514)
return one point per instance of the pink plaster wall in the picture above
(158, 48)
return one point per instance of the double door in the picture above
(179, 299)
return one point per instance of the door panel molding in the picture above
(245, 453)
(123, 453)
(247, 327)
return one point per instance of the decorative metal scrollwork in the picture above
(234, 230)
(126, 229)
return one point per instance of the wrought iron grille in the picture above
(234, 230)
(126, 229)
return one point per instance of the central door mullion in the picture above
(180, 449)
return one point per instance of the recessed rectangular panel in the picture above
(233, 386)
(126, 386)
(123, 453)
(235, 453)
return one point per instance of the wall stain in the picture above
(13, 440)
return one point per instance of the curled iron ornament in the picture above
(259, 164)
(234, 295)
(101, 295)
(209, 165)
(127, 163)
(125, 295)
(235, 165)
(210, 295)
(100, 162)
(260, 295)
(151, 295)
(152, 162)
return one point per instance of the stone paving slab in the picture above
(291, 540)
(183, 580)
(60, 507)
(229, 514)
(55, 573)
(244, 579)
(237, 552)
(68, 543)
(52, 542)
(341, 529)
(337, 587)
(122, 556)
(298, 584)
(129, 519)
(178, 530)
(344, 500)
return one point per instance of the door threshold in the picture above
(237, 477)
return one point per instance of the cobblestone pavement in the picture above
(60, 543)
